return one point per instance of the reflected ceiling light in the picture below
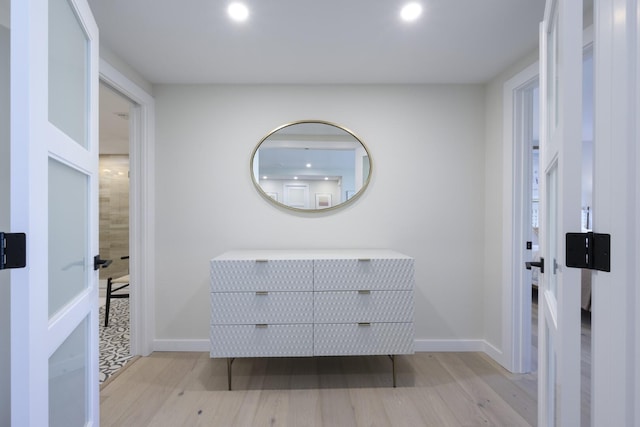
(326, 178)
(308, 165)
(295, 177)
(264, 177)
(238, 12)
(411, 11)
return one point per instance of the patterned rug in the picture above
(114, 339)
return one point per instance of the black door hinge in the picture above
(13, 250)
(588, 250)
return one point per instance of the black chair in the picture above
(114, 290)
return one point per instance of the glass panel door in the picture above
(68, 380)
(560, 172)
(68, 72)
(68, 234)
(72, 222)
(54, 201)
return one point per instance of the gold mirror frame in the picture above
(255, 175)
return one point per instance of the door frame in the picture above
(516, 184)
(516, 331)
(615, 325)
(141, 205)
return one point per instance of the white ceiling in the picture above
(318, 41)
(310, 42)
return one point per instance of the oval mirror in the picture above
(311, 165)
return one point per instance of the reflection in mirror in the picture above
(310, 166)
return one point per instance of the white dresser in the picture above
(311, 303)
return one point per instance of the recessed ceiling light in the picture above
(238, 12)
(411, 11)
(326, 178)
(264, 177)
(295, 177)
(308, 165)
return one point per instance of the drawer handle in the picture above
(261, 326)
(364, 259)
(262, 260)
(262, 293)
(364, 324)
(364, 292)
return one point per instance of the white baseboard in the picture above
(495, 354)
(420, 345)
(423, 345)
(460, 346)
(181, 345)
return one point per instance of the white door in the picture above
(54, 164)
(560, 173)
(296, 195)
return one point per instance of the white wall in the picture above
(426, 197)
(5, 13)
(5, 354)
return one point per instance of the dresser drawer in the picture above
(353, 339)
(243, 308)
(357, 274)
(363, 306)
(261, 340)
(261, 275)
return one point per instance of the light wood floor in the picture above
(433, 389)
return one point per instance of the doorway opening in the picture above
(114, 220)
(588, 119)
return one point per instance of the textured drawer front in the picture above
(353, 339)
(354, 306)
(274, 275)
(353, 274)
(243, 308)
(256, 341)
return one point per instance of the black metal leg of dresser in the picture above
(393, 368)
(229, 362)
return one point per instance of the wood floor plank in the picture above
(272, 408)
(307, 412)
(490, 404)
(368, 407)
(463, 408)
(120, 396)
(429, 402)
(507, 385)
(407, 407)
(165, 382)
